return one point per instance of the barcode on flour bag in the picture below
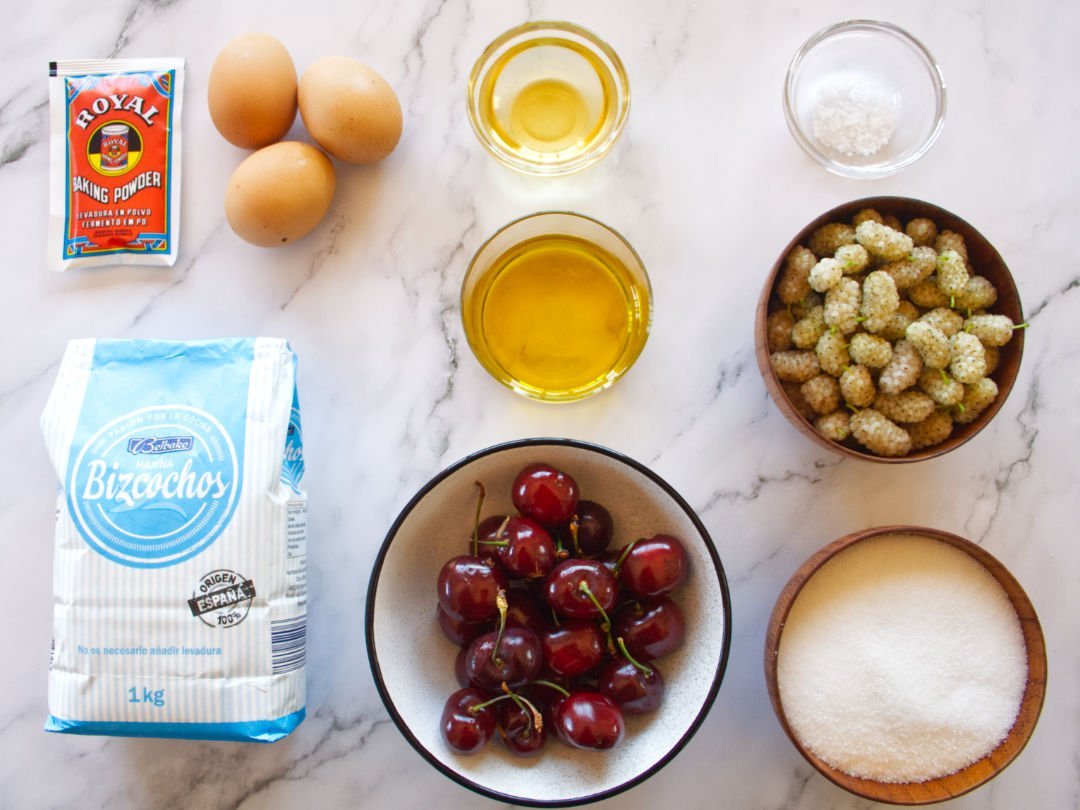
(180, 587)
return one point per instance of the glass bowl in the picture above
(556, 306)
(864, 98)
(548, 98)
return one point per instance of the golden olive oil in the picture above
(557, 317)
(547, 99)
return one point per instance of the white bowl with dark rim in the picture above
(413, 662)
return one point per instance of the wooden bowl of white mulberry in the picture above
(890, 330)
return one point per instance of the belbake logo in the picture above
(153, 446)
(154, 487)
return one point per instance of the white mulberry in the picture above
(932, 345)
(977, 398)
(909, 406)
(933, 430)
(979, 293)
(952, 273)
(778, 328)
(968, 363)
(827, 239)
(927, 294)
(944, 320)
(912, 269)
(835, 425)
(842, 305)
(870, 350)
(951, 240)
(795, 366)
(922, 231)
(942, 388)
(822, 393)
(896, 326)
(878, 434)
(883, 242)
(825, 275)
(832, 353)
(806, 333)
(794, 281)
(801, 308)
(857, 386)
(992, 330)
(853, 258)
(903, 369)
(879, 300)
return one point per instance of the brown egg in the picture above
(279, 193)
(252, 91)
(350, 110)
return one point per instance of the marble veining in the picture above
(708, 187)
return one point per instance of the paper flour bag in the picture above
(179, 582)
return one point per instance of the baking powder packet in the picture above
(114, 162)
(180, 588)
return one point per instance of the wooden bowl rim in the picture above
(977, 773)
(887, 204)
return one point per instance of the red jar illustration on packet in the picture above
(114, 147)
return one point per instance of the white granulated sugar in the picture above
(854, 116)
(901, 660)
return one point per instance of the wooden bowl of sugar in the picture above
(906, 664)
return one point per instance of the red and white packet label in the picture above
(114, 192)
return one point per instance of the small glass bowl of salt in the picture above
(864, 98)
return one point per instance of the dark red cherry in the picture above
(466, 731)
(529, 551)
(519, 658)
(518, 728)
(654, 565)
(590, 720)
(651, 628)
(576, 646)
(467, 588)
(610, 561)
(460, 675)
(637, 692)
(489, 536)
(564, 591)
(524, 611)
(545, 494)
(459, 631)
(595, 528)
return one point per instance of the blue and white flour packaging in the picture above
(180, 589)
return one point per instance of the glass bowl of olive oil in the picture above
(548, 98)
(556, 306)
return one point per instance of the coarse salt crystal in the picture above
(854, 116)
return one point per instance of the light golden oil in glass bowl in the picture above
(557, 317)
(548, 98)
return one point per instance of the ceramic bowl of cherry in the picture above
(581, 599)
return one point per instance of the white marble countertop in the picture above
(708, 186)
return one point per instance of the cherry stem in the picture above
(476, 523)
(525, 705)
(625, 554)
(550, 685)
(503, 605)
(583, 586)
(622, 648)
(573, 527)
